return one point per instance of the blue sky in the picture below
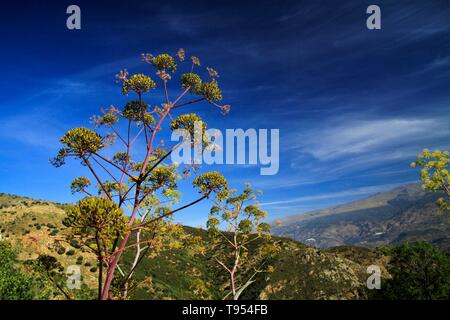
(353, 106)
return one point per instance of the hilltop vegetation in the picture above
(177, 274)
(299, 271)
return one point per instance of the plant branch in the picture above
(187, 103)
(141, 225)
(88, 163)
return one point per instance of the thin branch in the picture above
(223, 265)
(100, 267)
(114, 165)
(86, 192)
(146, 135)
(156, 164)
(107, 171)
(137, 136)
(228, 240)
(169, 213)
(117, 133)
(88, 163)
(187, 103)
(149, 171)
(166, 92)
(181, 95)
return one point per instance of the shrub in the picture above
(14, 285)
(74, 243)
(419, 272)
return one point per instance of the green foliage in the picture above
(435, 175)
(108, 188)
(138, 83)
(241, 216)
(79, 261)
(419, 272)
(75, 244)
(82, 141)
(121, 158)
(212, 182)
(51, 268)
(194, 128)
(164, 62)
(147, 187)
(137, 111)
(191, 81)
(14, 284)
(22, 280)
(188, 122)
(79, 143)
(48, 263)
(163, 176)
(108, 119)
(211, 91)
(80, 184)
(93, 215)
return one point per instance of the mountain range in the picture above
(405, 213)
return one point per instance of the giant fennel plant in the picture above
(132, 200)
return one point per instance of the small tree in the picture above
(244, 248)
(49, 266)
(147, 188)
(435, 175)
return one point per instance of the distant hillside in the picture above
(406, 213)
(34, 227)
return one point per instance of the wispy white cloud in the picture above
(363, 136)
(340, 146)
(368, 190)
(439, 63)
(34, 129)
(354, 146)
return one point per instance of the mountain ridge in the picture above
(404, 213)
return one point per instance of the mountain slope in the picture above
(34, 227)
(300, 272)
(406, 213)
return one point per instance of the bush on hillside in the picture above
(419, 272)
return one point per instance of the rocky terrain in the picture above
(300, 272)
(406, 213)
